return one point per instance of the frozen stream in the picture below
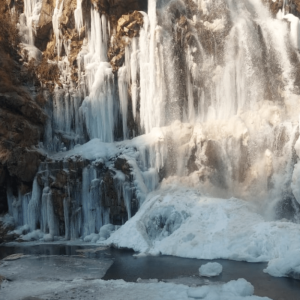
(71, 272)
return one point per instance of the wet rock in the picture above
(22, 104)
(292, 7)
(44, 26)
(21, 127)
(111, 200)
(116, 8)
(121, 164)
(24, 163)
(214, 161)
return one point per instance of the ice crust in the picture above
(210, 269)
(182, 222)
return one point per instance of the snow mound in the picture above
(119, 289)
(286, 266)
(233, 290)
(210, 269)
(181, 222)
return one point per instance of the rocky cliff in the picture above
(22, 117)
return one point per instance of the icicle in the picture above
(32, 10)
(98, 108)
(123, 95)
(34, 205)
(134, 73)
(78, 15)
(55, 23)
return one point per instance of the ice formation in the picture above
(182, 222)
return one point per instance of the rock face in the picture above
(21, 118)
(292, 6)
(21, 127)
(76, 197)
(116, 8)
(44, 27)
(128, 25)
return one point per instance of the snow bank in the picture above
(286, 266)
(181, 222)
(210, 269)
(119, 289)
(94, 149)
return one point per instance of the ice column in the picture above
(134, 72)
(294, 29)
(78, 15)
(32, 10)
(123, 95)
(90, 200)
(152, 94)
(55, 22)
(34, 205)
(98, 108)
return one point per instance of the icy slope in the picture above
(180, 221)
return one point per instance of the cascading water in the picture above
(207, 95)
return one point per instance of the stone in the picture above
(127, 25)
(44, 25)
(24, 163)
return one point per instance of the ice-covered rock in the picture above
(106, 231)
(208, 228)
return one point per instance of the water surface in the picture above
(92, 262)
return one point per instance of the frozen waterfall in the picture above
(207, 96)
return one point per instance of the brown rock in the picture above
(22, 105)
(24, 163)
(122, 165)
(129, 26)
(44, 26)
(274, 6)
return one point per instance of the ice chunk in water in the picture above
(239, 287)
(210, 269)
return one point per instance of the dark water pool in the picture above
(168, 268)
